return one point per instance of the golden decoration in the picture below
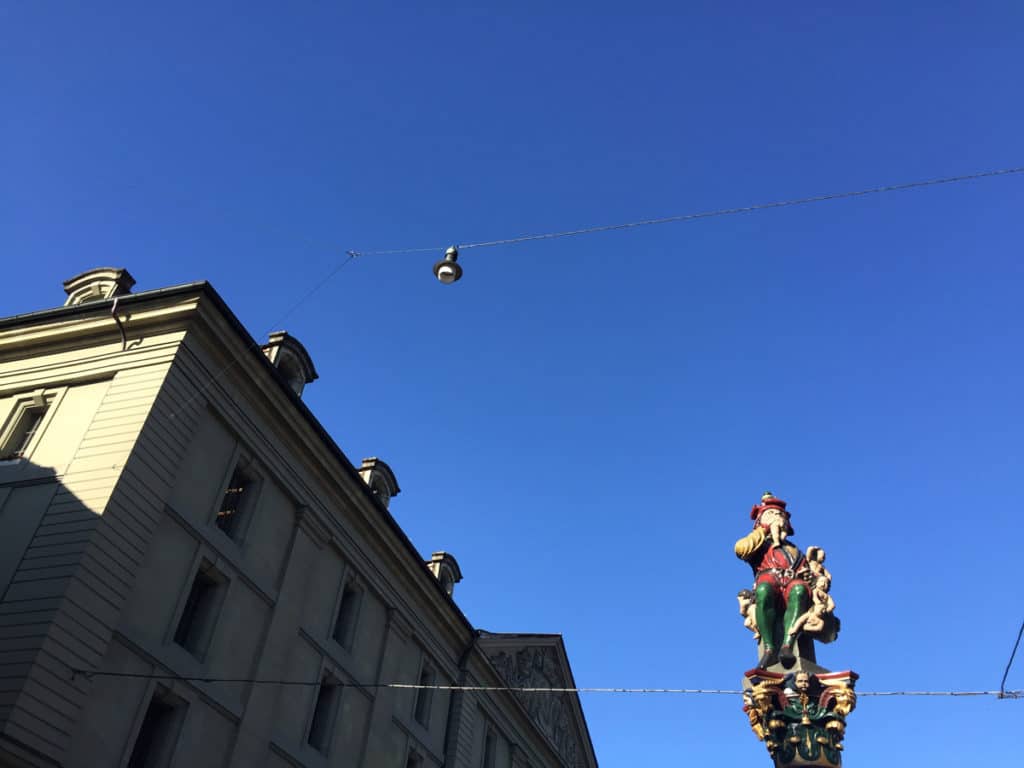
(846, 700)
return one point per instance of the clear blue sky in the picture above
(585, 422)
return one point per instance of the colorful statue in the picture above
(799, 714)
(779, 578)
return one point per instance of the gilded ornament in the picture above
(846, 700)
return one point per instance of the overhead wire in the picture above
(1002, 683)
(705, 214)
(508, 688)
(1002, 693)
(234, 358)
(353, 254)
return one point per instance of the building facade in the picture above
(192, 573)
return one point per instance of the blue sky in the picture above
(585, 422)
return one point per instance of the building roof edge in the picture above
(205, 288)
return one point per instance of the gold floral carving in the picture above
(760, 701)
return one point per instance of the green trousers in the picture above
(768, 600)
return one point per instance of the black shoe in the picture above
(786, 656)
(771, 656)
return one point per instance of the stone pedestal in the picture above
(800, 714)
(806, 659)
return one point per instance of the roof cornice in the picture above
(195, 306)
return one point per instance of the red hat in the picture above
(768, 501)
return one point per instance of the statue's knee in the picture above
(798, 593)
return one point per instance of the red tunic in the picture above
(783, 567)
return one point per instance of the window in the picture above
(424, 696)
(199, 614)
(157, 734)
(348, 610)
(24, 425)
(490, 748)
(234, 502)
(380, 490)
(447, 582)
(293, 375)
(322, 725)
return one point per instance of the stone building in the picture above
(176, 526)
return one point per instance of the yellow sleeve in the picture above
(750, 543)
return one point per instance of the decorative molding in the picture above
(308, 521)
(540, 667)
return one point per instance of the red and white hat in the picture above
(768, 501)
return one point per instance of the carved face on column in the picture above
(763, 697)
(846, 700)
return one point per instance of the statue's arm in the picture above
(748, 546)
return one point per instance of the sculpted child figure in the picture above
(816, 563)
(822, 605)
(748, 610)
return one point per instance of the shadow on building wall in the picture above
(60, 595)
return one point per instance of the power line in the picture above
(705, 214)
(237, 356)
(353, 254)
(512, 688)
(1002, 684)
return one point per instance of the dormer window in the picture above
(97, 284)
(293, 375)
(447, 581)
(446, 570)
(291, 360)
(380, 490)
(381, 480)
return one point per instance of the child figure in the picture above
(748, 610)
(816, 563)
(814, 619)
